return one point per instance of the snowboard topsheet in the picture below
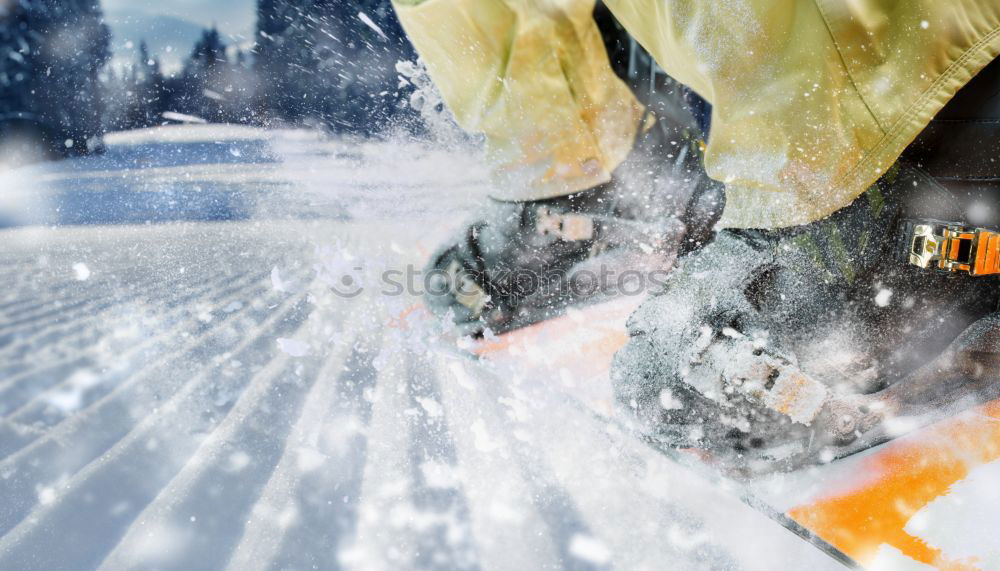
(928, 498)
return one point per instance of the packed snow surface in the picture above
(202, 367)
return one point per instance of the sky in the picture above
(171, 27)
(233, 16)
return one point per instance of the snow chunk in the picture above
(309, 459)
(461, 376)
(899, 425)
(482, 439)
(46, 495)
(590, 549)
(368, 22)
(69, 398)
(276, 282)
(890, 558)
(883, 297)
(669, 402)
(157, 544)
(963, 522)
(81, 271)
(183, 118)
(293, 348)
(432, 407)
(238, 461)
(685, 539)
(489, 336)
(288, 517)
(439, 475)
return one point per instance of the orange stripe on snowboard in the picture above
(912, 472)
(604, 323)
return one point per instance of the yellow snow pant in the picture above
(813, 100)
(534, 77)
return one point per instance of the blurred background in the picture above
(74, 70)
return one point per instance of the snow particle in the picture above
(696, 433)
(81, 271)
(883, 297)
(308, 459)
(46, 495)
(293, 348)
(590, 549)
(276, 282)
(238, 461)
(440, 476)
(368, 22)
(925, 24)
(432, 407)
(669, 402)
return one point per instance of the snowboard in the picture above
(927, 498)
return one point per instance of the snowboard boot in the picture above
(769, 349)
(522, 262)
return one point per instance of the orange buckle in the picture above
(953, 248)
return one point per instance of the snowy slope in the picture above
(182, 387)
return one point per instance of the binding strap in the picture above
(953, 247)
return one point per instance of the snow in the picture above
(669, 402)
(889, 558)
(293, 348)
(276, 282)
(239, 460)
(963, 523)
(205, 399)
(589, 549)
(883, 297)
(81, 271)
(183, 117)
(368, 22)
(69, 397)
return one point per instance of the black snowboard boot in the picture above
(773, 348)
(523, 262)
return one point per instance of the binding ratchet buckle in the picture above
(953, 248)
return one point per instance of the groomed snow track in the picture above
(194, 395)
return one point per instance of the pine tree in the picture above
(201, 83)
(320, 60)
(145, 95)
(52, 52)
(115, 88)
(241, 90)
(214, 86)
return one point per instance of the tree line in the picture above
(322, 63)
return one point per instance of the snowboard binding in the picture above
(781, 348)
(519, 263)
